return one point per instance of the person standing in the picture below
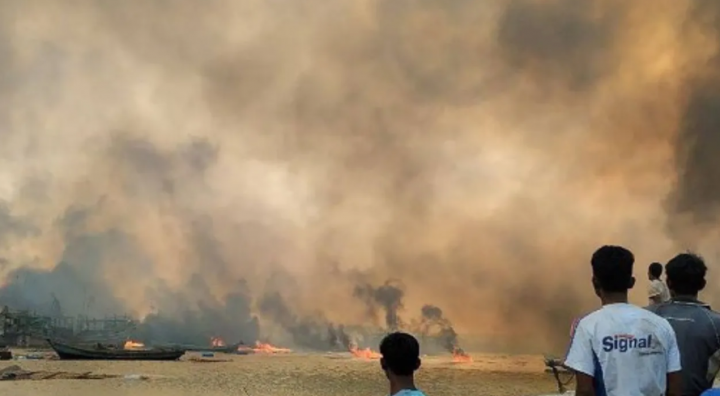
(400, 359)
(657, 291)
(697, 326)
(621, 349)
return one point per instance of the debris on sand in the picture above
(37, 356)
(16, 373)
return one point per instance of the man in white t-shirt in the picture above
(400, 359)
(658, 293)
(622, 349)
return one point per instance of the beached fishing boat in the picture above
(74, 352)
(236, 349)
(216, 349)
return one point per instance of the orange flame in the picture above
(130, 344)
(217, 342)
(365, 353)
(261, 347)
(460, 356)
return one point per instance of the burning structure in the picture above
(26, 328)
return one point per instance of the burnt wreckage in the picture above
(24, 328)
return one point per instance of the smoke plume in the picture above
(169, 159)
(434, 324)
(312, 332)
(387, 297)
(339, 339)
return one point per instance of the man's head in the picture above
(612, 268)
(400, 354)
(655, 271)
(685, 274)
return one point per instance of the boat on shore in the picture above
(234, 349)
(215, 349)
(76, 352)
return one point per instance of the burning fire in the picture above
(261, 347)
(365, 353)
(460, 356)
(217, 342)
(130, 344)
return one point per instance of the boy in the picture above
(657, 291)
(400, 359)
(621, 349)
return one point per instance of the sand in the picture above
(287, 375)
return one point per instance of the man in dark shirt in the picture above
(697, 327)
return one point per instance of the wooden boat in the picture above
(216, 349)
(230, 349)
(73, 352)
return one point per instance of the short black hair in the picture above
(686, 273)
(612, 268)
(655, 269)
(400, 353)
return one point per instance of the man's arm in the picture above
(674, 377)
(584, 385)
(674, 384)
(580, 360)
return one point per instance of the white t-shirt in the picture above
(658, 288)
(626, 349)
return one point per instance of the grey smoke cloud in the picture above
(386, 298)
(477, 152)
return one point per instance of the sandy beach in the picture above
(285, 375)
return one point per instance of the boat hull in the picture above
(230, 349)
(225, 349)
(71, 352)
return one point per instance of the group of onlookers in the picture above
(669, 348)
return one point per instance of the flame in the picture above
(261, 347)
(130, 344)
(217, 342)
(460, 356)
(365, 353)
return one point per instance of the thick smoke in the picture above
(696, 199)
(312, 331)
(339, 338)
(165, 160)
(387, 297)
(434, 324)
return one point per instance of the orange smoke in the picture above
(217, 342)
(460, 356)
(130, 344)
(261, 347)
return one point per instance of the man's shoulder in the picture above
(650, 314)
(629, 312)
(715, 315)
(647, 315)
(589, 319)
